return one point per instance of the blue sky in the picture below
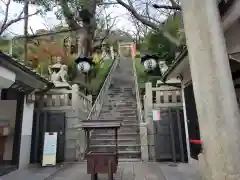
(38, 22)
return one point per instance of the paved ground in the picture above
(179, 172)
(126, 171)
(32, 173)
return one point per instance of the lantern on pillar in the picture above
(149, 62)
(84, 64)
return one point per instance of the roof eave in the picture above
(8, 62)
(178, 60)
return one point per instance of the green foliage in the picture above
(142, 76)
(137, 56)
(72, 68)
(101, 73)
(156, 43)
(42, 68)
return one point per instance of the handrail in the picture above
(137, 94)
(97, 106)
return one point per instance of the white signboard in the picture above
(49, 149)
(156, 115)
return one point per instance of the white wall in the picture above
(7, 77)
(26, 135)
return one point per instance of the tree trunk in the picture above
(90, 28)
(26, 5)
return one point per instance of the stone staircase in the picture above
(120, 104)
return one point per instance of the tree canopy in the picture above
(157, 43)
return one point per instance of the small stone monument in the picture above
(112, 52)
(104, 55)
(58, 73)
(163, 66)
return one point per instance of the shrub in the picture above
(101, 73)
(137, 56)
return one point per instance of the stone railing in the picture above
(62, 99)
(97, 106)
(137, 94)
(163, 96)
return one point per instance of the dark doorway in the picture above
(170, 138)
(192, 119)
(45, 121)
(14, 94)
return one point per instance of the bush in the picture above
(137, 56)
(141, 74)
(101, 73)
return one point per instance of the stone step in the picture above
(126, 110)
(121, 130)
(111, 135)
(117, 117)
(111, 141)
(111, 147)
(121, 159)
(128, 124)
(124, 122)
(118, 108)
(120, 104)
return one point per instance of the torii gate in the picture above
(130, 45)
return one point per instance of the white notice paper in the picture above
(156, 115)
(49, 149)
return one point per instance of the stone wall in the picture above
(73, 140)
(76, 107)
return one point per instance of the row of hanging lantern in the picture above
(150, 63)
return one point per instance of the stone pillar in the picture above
(75, 97)
(144, 142)
(80, 136)
(217, 108)
(148, 106)
(112, 52)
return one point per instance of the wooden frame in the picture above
(101, 162)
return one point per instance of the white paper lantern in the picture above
(83, 66)
(150, 64)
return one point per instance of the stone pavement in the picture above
(126, 171)
(33, 173)
(180, 172)
(135, 171)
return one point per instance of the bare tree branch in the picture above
(167, 7)
(104, 28)
(147, 22)
(6, 12)
(6, 22)
(69, 16)
(50, 33)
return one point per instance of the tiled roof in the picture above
(23, 67)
